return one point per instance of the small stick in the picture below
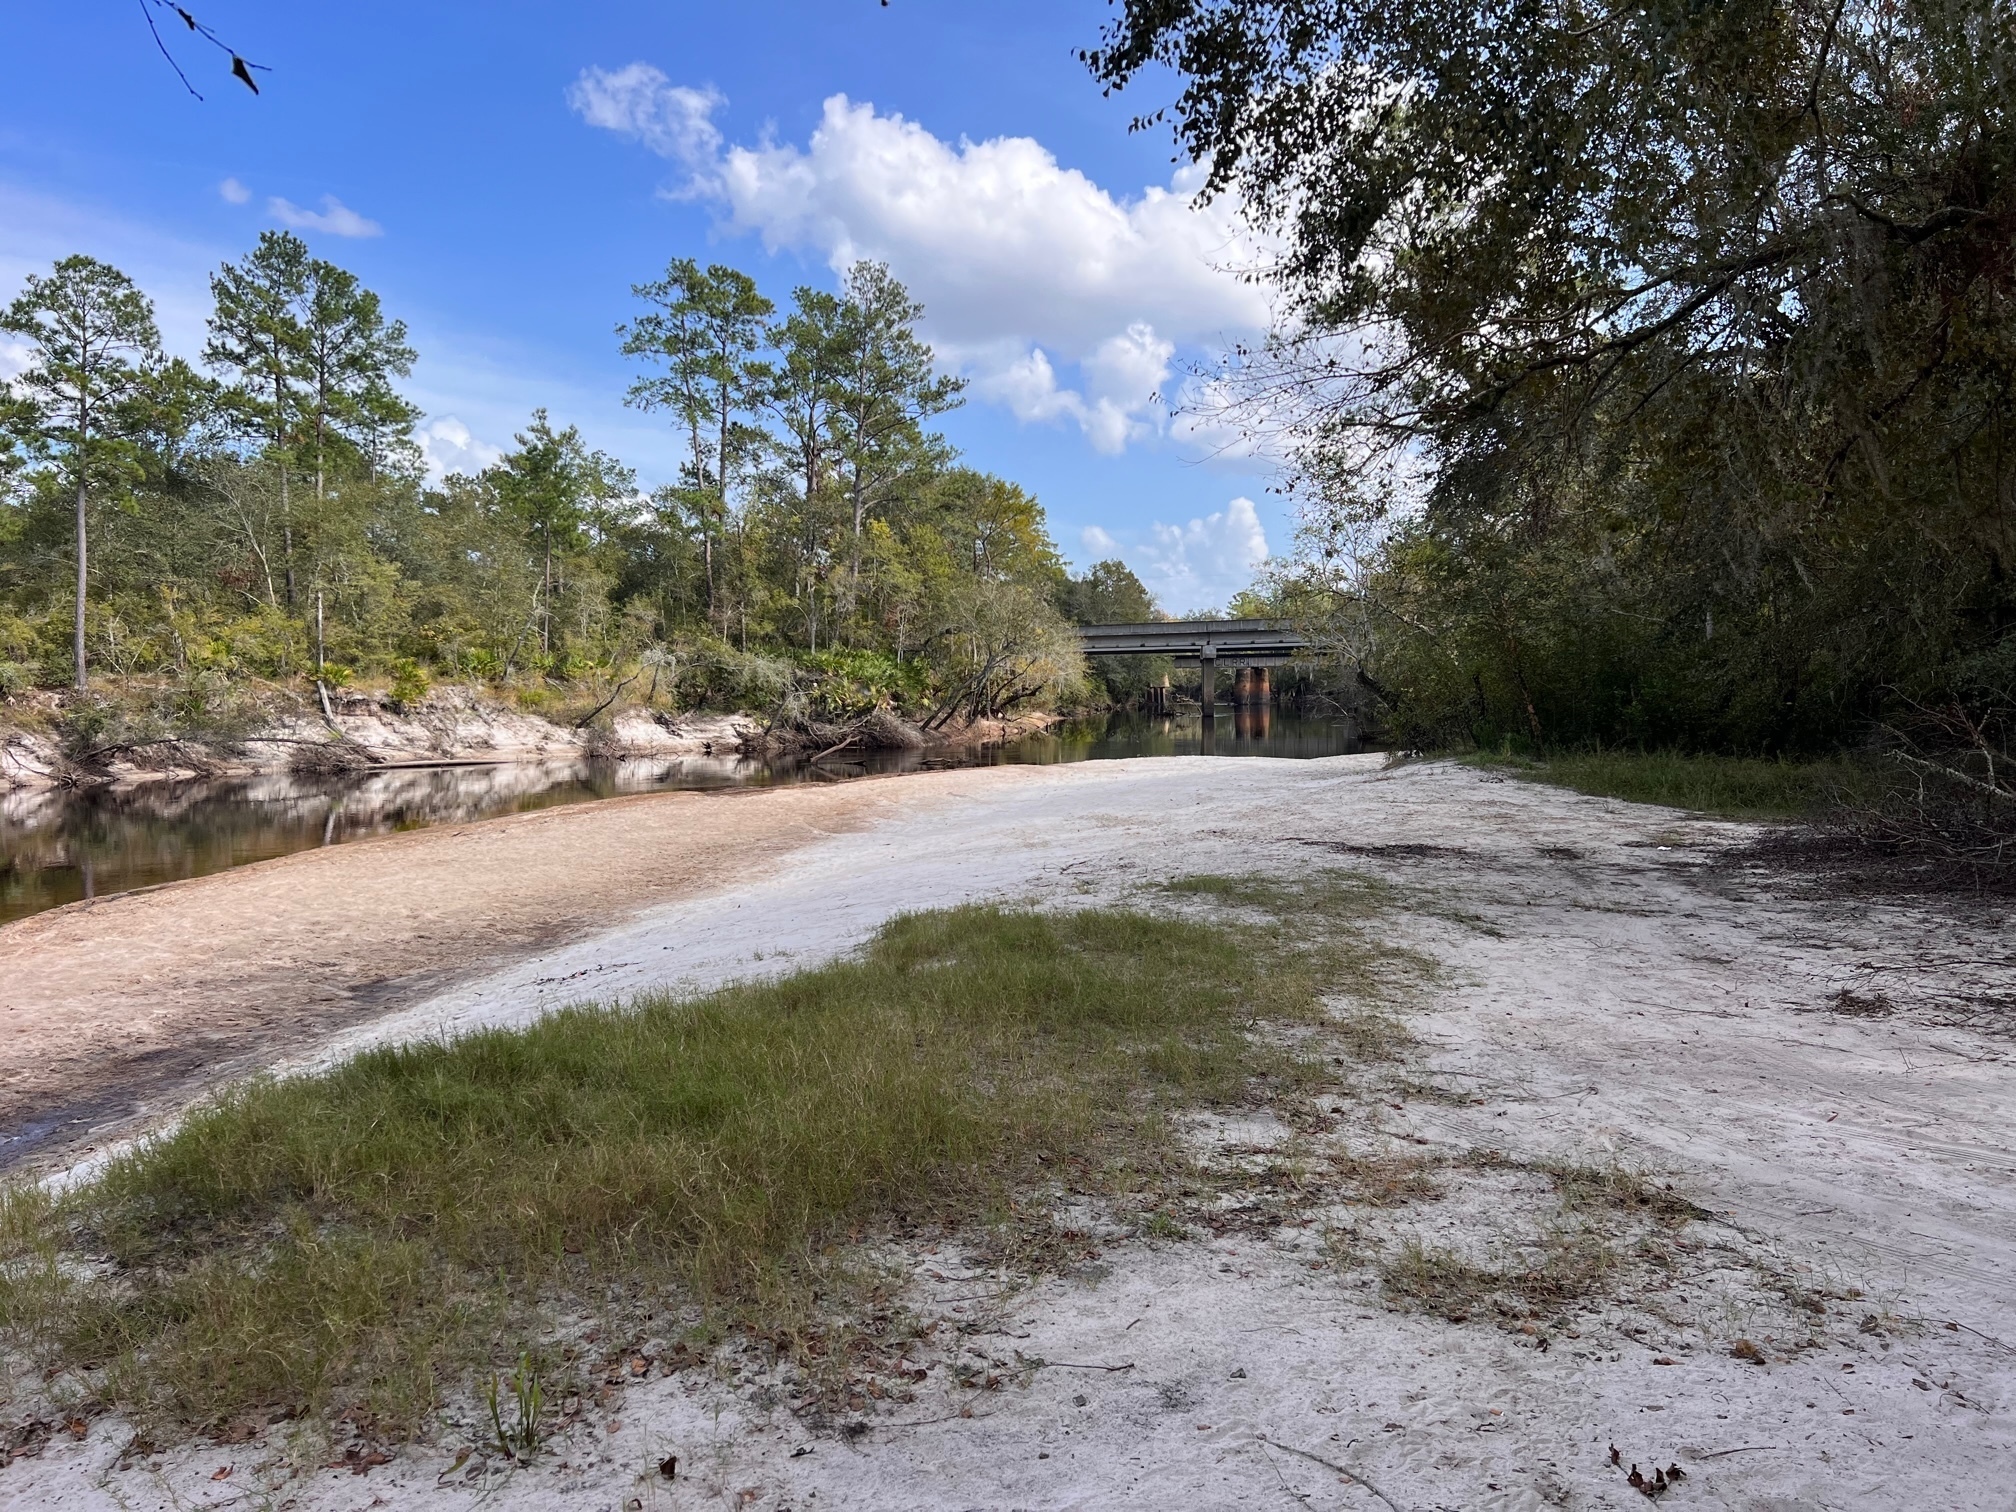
(1067, 1365)
(1989, 1337)
(1351, 1475)
(950, 1417)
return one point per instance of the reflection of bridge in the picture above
(1252, 645)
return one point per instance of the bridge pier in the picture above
(1207, 693)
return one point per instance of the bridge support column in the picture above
(1257, 692)
(1242, 687)
(1208, 692)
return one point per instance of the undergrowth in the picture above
(1728, 786)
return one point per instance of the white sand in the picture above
(1621, 1003)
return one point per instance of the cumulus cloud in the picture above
(335, 217)
(447, 446)
(639, 102)
(1022, 263)
(233, 192)
(1203, 562)
(1119, 403)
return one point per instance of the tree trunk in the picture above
(287, 537)
(854, 575)
(77, 644)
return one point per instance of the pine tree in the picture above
(95, 342)
(257, 337)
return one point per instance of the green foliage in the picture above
(1110, 594)
(409, 683)
(847, 684)
(1651, 363)
(520, 1440)
(83, 405)
(247, 523)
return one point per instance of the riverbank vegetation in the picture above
(269, 516)
(362, 1245)
(1647, 371)
(1729, 786)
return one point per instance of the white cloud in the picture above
(335, 217)
(447, 446)
(639, 102)
(1201, 563)
(16, 357)
(1118, 405)
(1098, 543)
(234, 193)
(1020, 262)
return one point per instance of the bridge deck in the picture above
(1251, 642)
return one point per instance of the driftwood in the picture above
(614, 694)
(815, 740)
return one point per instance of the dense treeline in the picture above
(1650, 364)
(269, 515)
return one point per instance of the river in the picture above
(59, 846)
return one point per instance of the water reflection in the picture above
(1254, 731)
(58, 847)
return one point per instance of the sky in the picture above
(502, 173)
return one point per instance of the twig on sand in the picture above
(1067, 1365)
(950, 1417)
(1989, 1337)
(1348, 1474)
(1746, 1449)
(1300, 1496)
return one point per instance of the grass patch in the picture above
(367, 1243)
(1728, 786)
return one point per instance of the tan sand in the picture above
(115, 1006)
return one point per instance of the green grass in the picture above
(1729, 786)
(372, 1241)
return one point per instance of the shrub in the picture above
(409, 683)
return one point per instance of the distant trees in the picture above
(270, 516)
(562, 495)
(1110, 594)
(706, 328)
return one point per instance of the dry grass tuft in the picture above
(1387, 1180)
(1565, 1270)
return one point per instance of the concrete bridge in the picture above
(1251, 645)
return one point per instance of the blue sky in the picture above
(502, 173)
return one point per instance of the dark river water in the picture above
(57, 847)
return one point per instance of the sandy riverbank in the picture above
(1611, 993)
(121, 1005)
